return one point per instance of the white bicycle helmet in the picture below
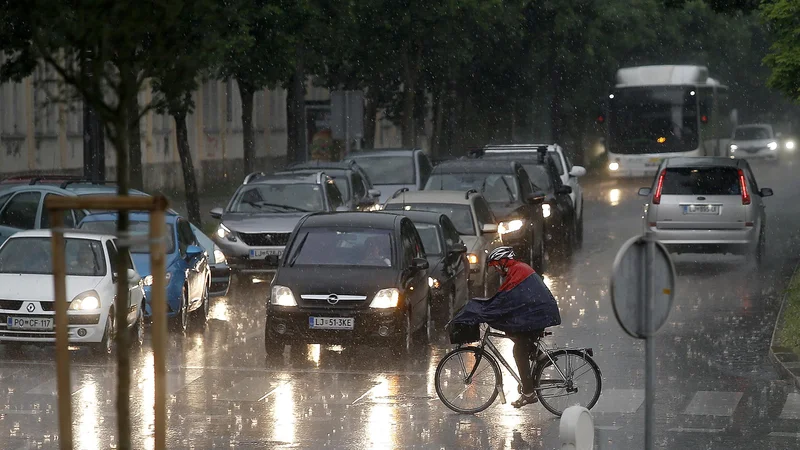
(499, 254)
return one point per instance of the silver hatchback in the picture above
(707, 205)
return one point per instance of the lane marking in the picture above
(791, 409)
(367, 392)
(696, 430)
(607, 427)
(250, 389)
(623, 401)
(784, 434)
(713, 403)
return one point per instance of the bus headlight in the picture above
(614, 166)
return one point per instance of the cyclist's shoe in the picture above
(525, 399)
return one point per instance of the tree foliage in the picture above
(783, 19)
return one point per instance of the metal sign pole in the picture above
(650, 344)
(62, 337)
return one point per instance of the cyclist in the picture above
(522, 308)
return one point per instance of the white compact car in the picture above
(27, 312)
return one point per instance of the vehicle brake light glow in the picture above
(743, 185)
(659, 187)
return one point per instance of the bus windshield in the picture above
(659, 119)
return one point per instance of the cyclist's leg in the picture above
(524, 344)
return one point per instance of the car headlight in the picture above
(789, 145)
(434, 283)
(148, 280)
(734, 147)
(510, 226)
(773, 145)
(282, 296)
(472, 258)
(219, 257)
(614, 166)
(86, 301)
(386, 298)
(545, 210)
(225, 233)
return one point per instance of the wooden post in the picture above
(62, 336)
(159, 328)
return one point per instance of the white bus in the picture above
(655, 112)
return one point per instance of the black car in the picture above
(354, 184)
(350, 277)
(512, 196)
(447, 257)
(558, 209)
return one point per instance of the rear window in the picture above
(342, 247)
(701, 181)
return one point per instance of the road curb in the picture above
(781, 357)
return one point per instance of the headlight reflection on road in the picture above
(314, 351)
(285, 411)
(148, 386)
(614, 196)
(88, 418)
(382, 415)
(219, 310)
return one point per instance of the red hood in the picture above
(518, 271)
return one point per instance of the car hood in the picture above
(40, 287)
(142, 262)
(387, 190)
(504, 211)
(262, 223)
(753, 143)
(337, 280)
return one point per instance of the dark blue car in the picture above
(188, 273)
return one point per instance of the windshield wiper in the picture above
(275, 205)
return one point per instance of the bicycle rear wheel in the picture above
(462, 395)
(574, 379)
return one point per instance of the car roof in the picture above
(434, 196)
(321, 165)
(704, 161)
(135, 216)
(354, 219)
(72, 234)
(377, 152)
(9, 188)
(429, 217)
(475, 166)
(86, 189)
(283, 178)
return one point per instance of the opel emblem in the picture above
(31, 307)
(333, 299)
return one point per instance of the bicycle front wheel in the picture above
(462, 393)
(568, 378)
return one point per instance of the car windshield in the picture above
(383, 170)
(701, 181)
(34, 255)
(139, 229)
(277, 198)
(495, 187)
(538, 175)
(430, 238)
(752, 133)
(460, 215)
(342, 247)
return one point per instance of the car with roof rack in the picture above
(352, 181)
(474, 221)
(391, 169)
(256, 224)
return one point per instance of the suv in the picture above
(256, 224)
(350, 277)
(474, 221)
(707, 205)
(754, 141)
(394, 169)
(513, 197)
(352, 181)
(22, 208)
(559, 212)
(568, 173)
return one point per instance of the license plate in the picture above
(701, 209)
(29, 323)
(331, 323)
(261, 253)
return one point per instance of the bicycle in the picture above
(553, 381)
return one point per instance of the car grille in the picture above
(264, 239)
(338, 302)
(12, 305)
(48, 306)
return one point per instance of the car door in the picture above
(19, 213)
(44, 214)
(456, 263)
(416, 282)
(755, 194)
(134, 291)
(360, 196)
(194, 265)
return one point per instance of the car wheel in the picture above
(137, 338)
(428, 320)
(408, 334)
(201, 316)
(106, 345)
(761, 249)
(541, 260)
(579, 230)
(181, 321)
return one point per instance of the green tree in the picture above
(781, 16)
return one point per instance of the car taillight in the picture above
(659, 187)
(743, 185)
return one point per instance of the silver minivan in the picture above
(707, 205)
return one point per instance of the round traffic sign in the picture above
(634, 281)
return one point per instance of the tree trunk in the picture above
(370, 120)
(249, 151)
(408, 124)
(437, 143)
(189, 180)
(296, 112)
(135, 144)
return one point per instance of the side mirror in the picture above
(536, 198)
(644, 192)
(458, 247)
(374, 193)
(216, 213)
(193, 251)
(419, 264)
(766, 192)
(489, 228)
(564, 189)
(133, 277)
(577, 171)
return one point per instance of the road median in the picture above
(785, 346)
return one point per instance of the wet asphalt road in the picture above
(716, 386)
